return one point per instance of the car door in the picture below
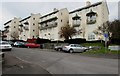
(74, 47)
(79, 48)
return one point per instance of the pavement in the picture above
(14, 65)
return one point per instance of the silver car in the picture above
(74, 48)
(5, 46)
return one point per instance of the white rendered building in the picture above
(51, 23)
(29, 27)
(87, 19)
(11, 29)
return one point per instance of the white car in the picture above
(74, 48)
(5, 46)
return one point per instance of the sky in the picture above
(23, 8)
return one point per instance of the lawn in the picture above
(102, 50)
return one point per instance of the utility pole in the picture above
(106, 38)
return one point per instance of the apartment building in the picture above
(51, 23)
(11, 29)
(87, 19)
(28, 28)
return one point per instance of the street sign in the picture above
(106, 35)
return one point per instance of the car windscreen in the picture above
(3, 43)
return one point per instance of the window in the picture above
(33, 23)
(14, 21)
(61, 13)
(33, 36)
(33, 30)
(24, 35)
(91, 37)
(61, 20)
(72, 45)
(14, 26)
(33, 18)
(67, 22)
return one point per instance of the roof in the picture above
(25, 18)
(49, 14)
(91, 13)
(92, 5)
(49, 20)
(7, 22)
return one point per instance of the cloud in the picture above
(113, 9)
(5, 16)
(56, 0)
(23, 8)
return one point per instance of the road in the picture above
(65, 63)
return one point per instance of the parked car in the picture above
(32, 45)
(20, 44)
(58, 48)
(74, 48)
(11, 43)
(5, 46)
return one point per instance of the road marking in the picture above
(23, 60)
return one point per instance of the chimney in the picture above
(88, 3)
(55, 9)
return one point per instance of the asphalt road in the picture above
(65, 63)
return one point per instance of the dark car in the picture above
(19, 44)
(11, 43)
(58, 48)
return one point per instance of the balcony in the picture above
(6, 26)
(76, 25)
(91, 17)
(26, 27)
(49, 20)
(20, 29)
(6, 30)
(26, 23)
(48, 26)
(21, 25)
(91, 21)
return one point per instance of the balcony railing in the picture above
(26, 27)
(6, 30)
(20, 29)
(76, 25)
(48, 26)
(91, 21)
(49, 20)
(7, 26)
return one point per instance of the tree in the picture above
(67, 32)
(15, 35)
(104, 28)
(114, 28)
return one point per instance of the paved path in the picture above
(65, 63)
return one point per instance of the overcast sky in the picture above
(12, 8)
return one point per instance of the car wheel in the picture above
(71, 50)
(59, 49)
